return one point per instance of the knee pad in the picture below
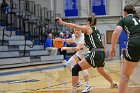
(76, 69)
(84, 72)
(72, 62)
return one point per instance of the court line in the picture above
(29, 70)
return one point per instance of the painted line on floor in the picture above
(29, 70)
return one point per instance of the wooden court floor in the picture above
(57, 79)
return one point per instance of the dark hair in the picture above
(130, 9)
(4, 1)
(92, 20)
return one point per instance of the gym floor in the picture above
(57, 79)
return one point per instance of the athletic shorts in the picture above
(96, 58)
(132, 52)
(79, 55)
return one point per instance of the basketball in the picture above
(58, 42)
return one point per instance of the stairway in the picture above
(12, 52)
(22, 35)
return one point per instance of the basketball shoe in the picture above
(87, 88)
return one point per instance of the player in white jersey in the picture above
(81, 50)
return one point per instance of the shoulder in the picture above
(82, 35)
(73, 35)
(86, 26)
(121, 22)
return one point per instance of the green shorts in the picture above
(132, 52)
(96, 58)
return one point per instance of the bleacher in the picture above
(22, 34)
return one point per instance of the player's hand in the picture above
(59, 20)
(104, 49)
(112, 52)
(63, 48)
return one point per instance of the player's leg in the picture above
(78, 57)
(99, 61)
(82, 65)
(107, 76)
(70, 64)
(87, 87)
(128, 68)
(86, 76)
(131, 60)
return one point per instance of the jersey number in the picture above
(99, 37)
(135, 21)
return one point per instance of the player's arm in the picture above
(115, 36)
(114, 39)
(74, 26)
(104, 46)
(70, 40)
(77, 48)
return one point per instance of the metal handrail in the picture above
(133, 2)
(37, 10)
(40, 24)
(44, 12)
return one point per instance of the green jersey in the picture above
(131, 25)
(94, 58)
(94, 39)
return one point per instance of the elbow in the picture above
(116, 33)
(118, 30)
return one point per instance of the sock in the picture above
(87, 83)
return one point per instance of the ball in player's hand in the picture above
(58, 42)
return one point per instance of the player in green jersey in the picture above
(95, 57)
(131, 23)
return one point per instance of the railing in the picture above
(32, 7)
(31, 20)
(133, 2)
(5, 35)
(8, 17)
(37, 10)
(44, 12)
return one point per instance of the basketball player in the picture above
(78, 38)
(95, 57)
(131, 23)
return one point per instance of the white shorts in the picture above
(80, 55)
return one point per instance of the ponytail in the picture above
(130, 9)
(92, 20)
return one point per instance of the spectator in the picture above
(49, 45)
(4, 7)
(48, 41)
(67, 37)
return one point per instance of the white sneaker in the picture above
(114, 85)
(79, 84)
(87, 89)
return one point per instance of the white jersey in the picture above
(80, 40)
